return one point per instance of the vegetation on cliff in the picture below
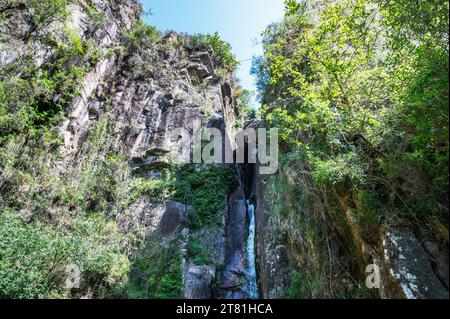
(357, 88)
(54, 214)
(359, 91)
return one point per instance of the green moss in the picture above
(205, 188)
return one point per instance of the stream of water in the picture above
(250, 269)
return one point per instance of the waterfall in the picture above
(251, 288)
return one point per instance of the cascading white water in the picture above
(250, 269)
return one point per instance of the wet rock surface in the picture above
(439, 261)
(230, 278)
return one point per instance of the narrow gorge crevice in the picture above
(99, 111)
(238, 279)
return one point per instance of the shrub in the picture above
(205, 189)
(199, 253)
(156, 272)
(220, 50)
(140, 36)
(341, 169)
(45, 11)
(34, 257)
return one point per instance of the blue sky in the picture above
(238, 22)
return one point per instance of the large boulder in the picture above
(164, 219)
(409, 268)
(198, 282)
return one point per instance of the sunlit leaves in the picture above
(366, 76)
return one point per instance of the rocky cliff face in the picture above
(110, 146)
(91, 101)
(317, 245)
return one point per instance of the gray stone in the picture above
(230, 276)
(164, 219)
(198, 282)
(410, 268)
(204, 58)
(440, 261)
(173, 217)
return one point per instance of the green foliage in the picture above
(368, 207)
(361, 87)
(157, 190)
(34, 257)
(27, 253)
(140, 36)
(246, 106)
(64, 222)
(359, 93)
(220, 50)
(157, 273)
(45, 11)
(199, 253)
(342, 169)
(205, 189)
(291, 7)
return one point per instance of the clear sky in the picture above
(238, 22)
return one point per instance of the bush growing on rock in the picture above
(220, 50)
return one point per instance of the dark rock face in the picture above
(439, 260)
(204, 59)
(407, 269)
(231, 276)
(146, 95)
(174, 215)
(273, 262)
(198, 282)
(410, 268)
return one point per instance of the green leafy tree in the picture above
(361, 89)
